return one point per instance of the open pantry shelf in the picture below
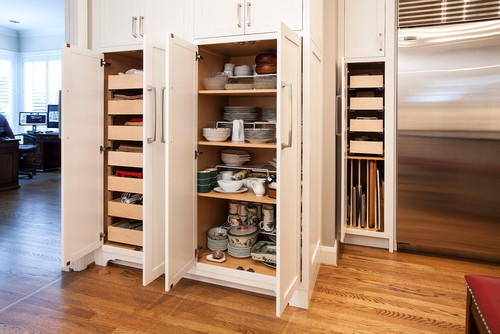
(242, 92)
(248, 196)
(237, 144)
(357, 157)
(234, 263)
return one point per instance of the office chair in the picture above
(24, 150)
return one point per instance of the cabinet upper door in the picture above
(181, 192)
(265, 16)
(120, 23)
(216, 18)
(289, 165)
(81, 160)
(364, 28)
(154, 158)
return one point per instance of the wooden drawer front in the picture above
(124, 235)
(118, 209)
(366, 81)
(122, 132)
(126, 159)
(125, 184)
(129, 81)
(132, 107)
(366, 147)
(367, 103)
(366, 125)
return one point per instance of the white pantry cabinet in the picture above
(220, 18)
(365, 28)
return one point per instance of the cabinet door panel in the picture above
(217, 18)
(289, 165)
(154, 159)
(364, 28)
(181, 122)
(115, 23)
(82, 164)
(265, 16)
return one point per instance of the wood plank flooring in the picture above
(371, 291)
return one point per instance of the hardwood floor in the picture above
(371, 290)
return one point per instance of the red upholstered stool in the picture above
(483, 304)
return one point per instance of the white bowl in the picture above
(215, 83)
(230, 185)
(216, 138)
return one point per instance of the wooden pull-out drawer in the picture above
(125, 159)
(366, 125)
(367, 103)
(366, 147)
(118, 209)
(125, 184)
(366, 81)
(132, 107)
(124, 132)
(129, 81)
(125, 232)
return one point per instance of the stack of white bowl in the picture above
(216, 134)
(234, 157)
(243, 70)
(259, 135)
(269, 114)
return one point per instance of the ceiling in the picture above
(45, 15)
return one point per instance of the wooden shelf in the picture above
(124, 132)
(128, 81)
(125, 159)
(127, 107)
(233, 263)
(355, 157)
(237, 144)
(367, 232)
(124, 184)
(124, 235)
(247, 196)
(123, 210)
(242, 92)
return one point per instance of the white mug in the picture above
(226, 175)
(267, 226)
(233, 220)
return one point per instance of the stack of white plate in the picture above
(240, 252)
(243, 70)
(269, 114)
(217, 244)
(216, 134)
(259, 135)
(217, 238)
(247, 114)
(234, 157)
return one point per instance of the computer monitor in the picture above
(32, 118)
(52, 116)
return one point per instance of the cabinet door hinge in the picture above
(103, 63)
(198, 56)
(197, 154)
(102, 235)
(102, 148)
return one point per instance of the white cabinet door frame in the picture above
(154, 158)
(216, 18)
(265, 16)
(181, 165)
(120, 23)
(289, 166)
(82, 118)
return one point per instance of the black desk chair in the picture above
(24, 150)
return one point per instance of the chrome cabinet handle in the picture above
(238, 10)
(134, 26)
(289, 143)
(149, 139)
(163, 114)
(381, 41)
(141, 26)
(249, 17)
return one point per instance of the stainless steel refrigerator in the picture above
(448, 183)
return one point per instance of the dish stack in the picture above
(216, 134)
(243, 70)
(259, 135)
(241, 240)
(217, 238)
(234, 157)
(269, 115)
(204, 181)
(247, 114)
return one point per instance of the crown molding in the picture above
(9, 32)
(41, 32)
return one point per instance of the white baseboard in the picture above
(329, 254)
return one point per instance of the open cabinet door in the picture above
(154, 159)
(82, 134)
(346, 181)
(181, 102)
(289, 165)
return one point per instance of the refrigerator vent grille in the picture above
(413, 13)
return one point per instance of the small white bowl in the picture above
(230, 185)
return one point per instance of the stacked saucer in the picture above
(259, 135)
(234, 157)
(247, 114)
(269, 114)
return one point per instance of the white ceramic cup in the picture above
(226, 175)
(267, 226)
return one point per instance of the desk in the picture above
(48, 156)
(9, 164)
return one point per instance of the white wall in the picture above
(33, 42)
(9, 40)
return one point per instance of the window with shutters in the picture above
(6, 87)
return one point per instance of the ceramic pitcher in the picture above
(259, 188)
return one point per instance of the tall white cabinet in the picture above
(175, 109)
